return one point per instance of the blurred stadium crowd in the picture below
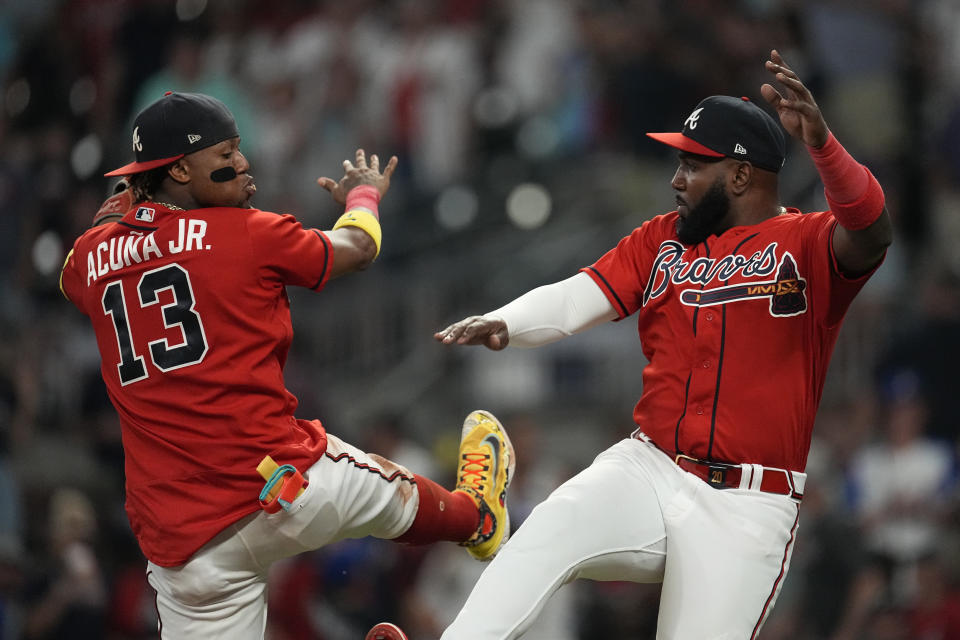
(519, 127)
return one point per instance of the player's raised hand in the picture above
(798, 111)
(490, 332)
(357, 173)
(116, 205)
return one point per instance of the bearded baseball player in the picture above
(738, 301)
(186, 292)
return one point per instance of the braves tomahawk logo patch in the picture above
(786, 290)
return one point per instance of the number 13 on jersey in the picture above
(179, 314)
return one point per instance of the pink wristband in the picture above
(366, 197)
(854, 195)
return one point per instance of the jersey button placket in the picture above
(703, 379)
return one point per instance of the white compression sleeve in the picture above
(555, 311)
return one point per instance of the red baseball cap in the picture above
(175, 125)
(724, 126)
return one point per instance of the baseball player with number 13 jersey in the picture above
(186, 293)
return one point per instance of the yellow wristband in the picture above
(362, 220)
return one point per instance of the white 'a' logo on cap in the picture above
(693, 119)
(192, 137)
(136, 139)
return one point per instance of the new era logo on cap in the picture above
(192, 137)
(724, 126)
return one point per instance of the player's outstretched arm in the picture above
(488, 331)
(356, 234)
(541, 316)
(856, 199)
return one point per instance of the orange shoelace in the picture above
(474, 468)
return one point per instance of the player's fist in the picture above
(357, 173)
(489, 331)
(116, 205)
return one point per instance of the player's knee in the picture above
(197, 583)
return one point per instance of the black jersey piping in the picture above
(137, 227)
(326, 258)
(676, 429)
(623, 307)
(723, 344)
(686, 390)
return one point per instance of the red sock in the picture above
(442, 515)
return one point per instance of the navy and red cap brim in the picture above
(726, 126)
(683, 143)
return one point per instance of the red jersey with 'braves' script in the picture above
(192, 320)
(737, 330)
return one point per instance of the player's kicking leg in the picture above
(474, 514)
(605, 523)
(486, 466)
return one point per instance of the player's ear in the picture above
(740, 177)
(178, 172)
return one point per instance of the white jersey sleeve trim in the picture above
(554, 311)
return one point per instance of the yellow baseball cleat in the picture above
(487, 465)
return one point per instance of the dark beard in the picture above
(705, 218)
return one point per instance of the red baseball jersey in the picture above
(193, 325)
(737, 330)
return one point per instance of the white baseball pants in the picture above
(220, 593)
(721, 554)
